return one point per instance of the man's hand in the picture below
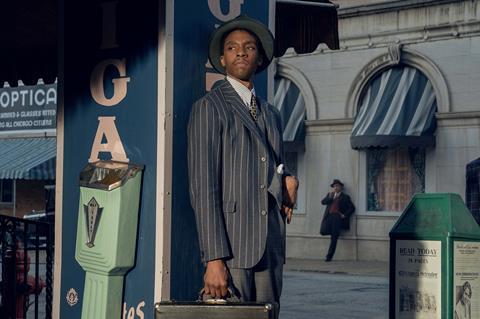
(289, 196)
(216, 279)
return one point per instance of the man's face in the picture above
(337, 188)
(240, 55)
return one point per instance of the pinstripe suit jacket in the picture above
(232, 170)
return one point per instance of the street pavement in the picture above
(362, 268)
(314, 289)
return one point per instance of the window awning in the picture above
(289, 101)
(397, 109)
(28, 158)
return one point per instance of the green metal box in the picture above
(435, 260)
(107, 233)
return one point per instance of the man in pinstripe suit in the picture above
(238, 189)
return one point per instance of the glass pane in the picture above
(6, 191)
(393, 183)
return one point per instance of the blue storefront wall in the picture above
(194, 22)
(115, 34)
(125, 33)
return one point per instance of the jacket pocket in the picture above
(229, 206)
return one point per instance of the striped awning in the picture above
(289, 101)
(397, 109)
(27, 158)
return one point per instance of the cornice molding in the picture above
(466, 25)
(459, 119)
(458, 115)
(341, 126)
(397, 5)
(329, 122)
(408, 36)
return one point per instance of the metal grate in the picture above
(26, 264)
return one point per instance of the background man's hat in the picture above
(215, 50)
(336, 181)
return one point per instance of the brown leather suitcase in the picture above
(206, 310)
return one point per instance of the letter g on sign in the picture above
(234, 9)
(119, 84)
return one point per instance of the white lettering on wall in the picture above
(38, 100)
(119, 84)
(113, 145)
(37, 96)
(15, 97)
(234, 9)
(51, 96)
(4, 99)
(139, 311)
(130, 313)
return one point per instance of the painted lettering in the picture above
(407, 251)
(130, 313)
(426, 252)
(38, 100)
(113, 145)
(119, 84)
(4, 99)
(140, 313)
(234, 9)
(51, 96)
(15, 97)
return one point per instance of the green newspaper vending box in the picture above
(435, 260)
(106, 233)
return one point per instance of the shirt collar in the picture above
(244, 93)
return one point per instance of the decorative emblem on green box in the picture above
(93, 212)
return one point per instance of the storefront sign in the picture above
(115, 107)
(28, 108)
(111, 96)
(466, 270)
(418, 283)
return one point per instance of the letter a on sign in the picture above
(114, 146)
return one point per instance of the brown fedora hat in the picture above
(215, 50)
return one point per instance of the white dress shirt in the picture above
(242, 90)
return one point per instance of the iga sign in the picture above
(28, 108)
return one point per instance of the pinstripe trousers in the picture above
(263, 282)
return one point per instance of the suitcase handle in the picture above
(232, 298)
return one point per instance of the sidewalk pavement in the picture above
(359, 268)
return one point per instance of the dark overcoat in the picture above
(345, 206)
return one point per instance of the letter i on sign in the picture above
(106, 124)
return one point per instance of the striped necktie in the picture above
(253, 108)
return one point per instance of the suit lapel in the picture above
(235, 102)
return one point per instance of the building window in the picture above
(6, 191)
(394, 124)
(394, 175)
